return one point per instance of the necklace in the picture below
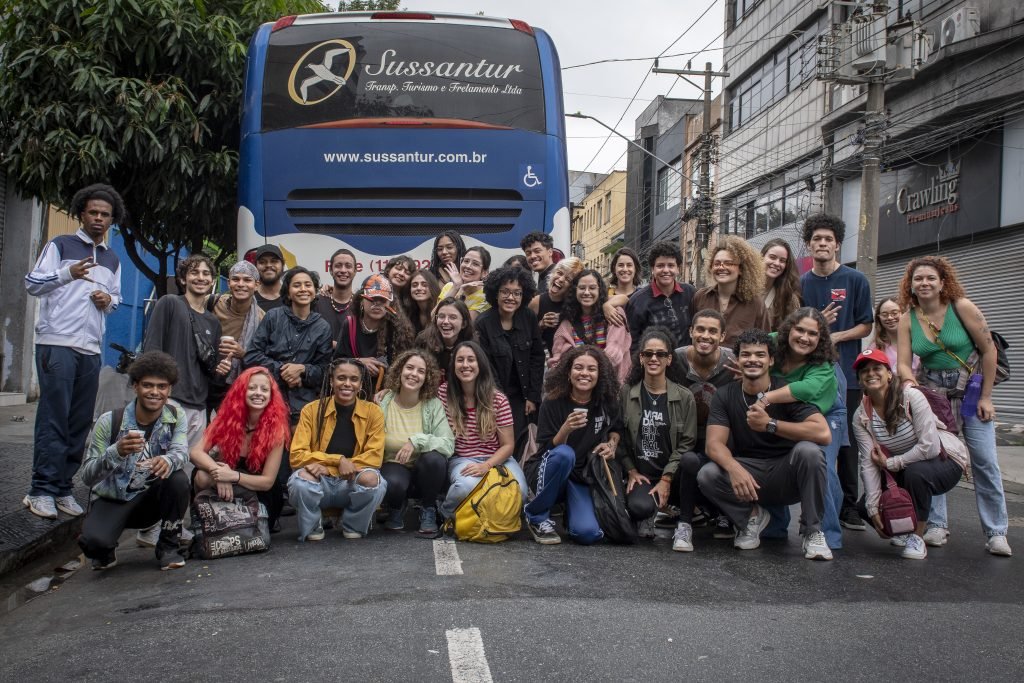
(339, 306)
(250, 430)
(652, 396)
(366, 330)
(751, 403)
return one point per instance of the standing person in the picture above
(336, 455)
(947, 331)
(781, 281)
(579, 419)
(376, 331)
(887, 332)
(659, 419)
(398, 270)
(418, 440)
(134, 467)
(738, 273)
(665, 301)
(582, 322)
(466, 281)
(450, 326)
(764, 455)
(424, 292)
(510, 338)
(538, 247)
(624, 273)
(239, 316)
(843, 295)
(448, 249)
(334, 302)
(547, 306)
(516, 260)
(896, 430)
(481, 420)
(270, 263)
(78, 281)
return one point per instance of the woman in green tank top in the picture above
(940, 315)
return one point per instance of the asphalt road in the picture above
(377, 610)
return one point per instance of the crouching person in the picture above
(765, 455)
(134, 465)
(336, 456)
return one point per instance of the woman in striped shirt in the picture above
(583, 322)
(481, 419)
(896, 430)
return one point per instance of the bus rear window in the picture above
(337, 72)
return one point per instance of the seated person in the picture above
(134, 465)
(244, 442)
(480, 417)
(895, 429)
(417, 440)
(579, 420)
(336, 456)
(450, 324)
(764, 456)
(659, 420)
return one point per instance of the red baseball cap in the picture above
(871, 356)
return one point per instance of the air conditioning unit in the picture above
(960, 25)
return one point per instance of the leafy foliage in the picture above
(368, 6)
(142, 94)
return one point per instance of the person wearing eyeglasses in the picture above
(887, 331)
(466, 280)
(510, 337)
(738, 273)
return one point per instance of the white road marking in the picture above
(466, 656)
(446, 558)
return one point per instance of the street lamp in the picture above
(649, 153)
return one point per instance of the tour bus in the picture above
(376, 131)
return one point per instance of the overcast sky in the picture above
(591, 30)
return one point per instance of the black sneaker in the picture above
(849, 519)
(544, 532)
(723, 528)
(101, 563)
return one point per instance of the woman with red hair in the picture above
(244, 443)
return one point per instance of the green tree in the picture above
(368, 6)
(142, 94)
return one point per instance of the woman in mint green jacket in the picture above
(418, 440)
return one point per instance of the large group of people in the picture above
(722, 406)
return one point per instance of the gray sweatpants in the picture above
(798, 477)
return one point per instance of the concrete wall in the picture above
(23, 239)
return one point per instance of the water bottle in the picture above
(972, 392)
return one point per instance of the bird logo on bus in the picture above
(321, 65)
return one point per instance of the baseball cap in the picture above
(269, 249)
(871, 355)
(378, 286)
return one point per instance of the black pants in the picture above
(686, 485)
(848, 460)
(165, 501)
(922, 480)
(274, 499)
(424, 480)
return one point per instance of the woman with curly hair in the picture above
(583, 322)
(480, 417)
(451, 325)
(511, 340)
(738, 273)
(659, 416)
(376, 331)
(548, 306)
(781, 281)
(948, 332)
(398, 270)
(466, 280)
(417, 440)
(624, 273)
(579, 419)
(424, 291)
(448, 249)
(243, 445)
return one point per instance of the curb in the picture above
(25, 537)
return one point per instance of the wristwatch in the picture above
(772, 426)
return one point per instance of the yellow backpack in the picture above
(492, 511)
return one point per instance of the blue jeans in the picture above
(356, 501)
(463, 485)
(980, 438)
(553, 484)
(68, 381)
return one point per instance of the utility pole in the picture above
(705, 207)
(867, 231)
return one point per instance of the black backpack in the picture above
(609, 494)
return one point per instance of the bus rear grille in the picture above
(440, 212)
(398, 229)
(404, 194)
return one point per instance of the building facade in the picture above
(598, 224)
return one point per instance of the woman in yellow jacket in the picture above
(336, 456)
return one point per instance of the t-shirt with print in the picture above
(729, 409)
(850, 290)
(653, 443)
(600, 422)
(469, 444)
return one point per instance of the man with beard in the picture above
(270, 263)
(764, 454)
(538, 247)
(334, 301)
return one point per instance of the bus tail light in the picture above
(418, 16)
(521, 25)
(283, 22)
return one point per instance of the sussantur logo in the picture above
(321, 64)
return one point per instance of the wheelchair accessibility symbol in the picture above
(531, 179)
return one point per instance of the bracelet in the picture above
(239, 480)
(667, 479)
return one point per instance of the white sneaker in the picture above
(317, 534)
(351, 535)
(997, 545)
(915, 548)
(682, 539)
(936, 536)
(815, 547)
(749, 537)
(899, 540)
(41, 506)
(70, 506)
(147, 538)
